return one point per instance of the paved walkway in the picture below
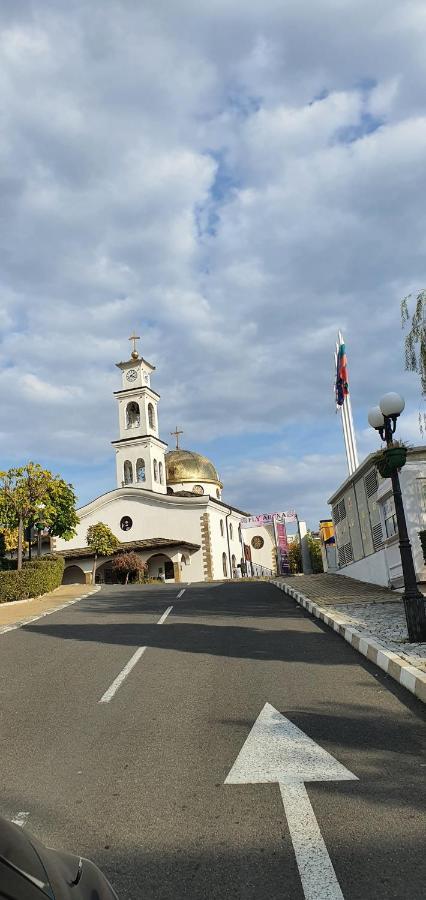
(27, 610)
(374, 611)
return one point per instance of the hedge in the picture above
(36, 577)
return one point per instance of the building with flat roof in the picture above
(363, 510)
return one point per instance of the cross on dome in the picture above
(134, 337)
(176, 435)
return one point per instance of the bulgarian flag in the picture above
(342, 386)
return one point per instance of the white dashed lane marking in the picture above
(109, 694)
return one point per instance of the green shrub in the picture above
(37, 577)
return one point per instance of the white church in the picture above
(167, 505)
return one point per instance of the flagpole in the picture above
(347, 409)
(348, 422)
(344, 423)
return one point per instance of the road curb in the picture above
(14, 625)
(395, 666)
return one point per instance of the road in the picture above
(138, 783)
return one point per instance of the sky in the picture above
(236, 181)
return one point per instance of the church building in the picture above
(167, 505)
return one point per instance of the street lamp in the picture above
(384, 418)
(39, 526)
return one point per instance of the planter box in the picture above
(390, 460)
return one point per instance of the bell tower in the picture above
(139, 451)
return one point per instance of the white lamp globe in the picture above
(392, 404)
(375, 417)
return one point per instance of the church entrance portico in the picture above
(159, 565)
(73, 575)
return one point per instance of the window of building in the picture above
(151, 416)
(221, 527)
(133, 416)
(391, 526)
(128, 472)
(198, 489)
(231, 531)
(218, 493)
(140, 470)
(257, 542)
(126, 523)
(155, 470)
(160, 472)
(234, 566)
(224, 565)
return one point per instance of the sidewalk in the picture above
(13, 615)
(369, 617)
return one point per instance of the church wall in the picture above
(151, 517)
(264, 556)
(218, 514)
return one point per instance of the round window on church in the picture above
(126, 523)
(257, 542)
(198, 489)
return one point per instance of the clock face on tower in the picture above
(132, 375)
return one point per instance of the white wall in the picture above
(153, 516)
(265, 556)
(372, 569)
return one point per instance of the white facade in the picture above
(185, 533)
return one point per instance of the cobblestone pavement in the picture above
(372, 610)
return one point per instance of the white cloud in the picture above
(237, 181)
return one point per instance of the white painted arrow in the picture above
(276, 750)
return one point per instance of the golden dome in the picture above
(185, 466)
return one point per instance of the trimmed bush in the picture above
(36, 577)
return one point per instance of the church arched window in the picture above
(221, 527)
(231, 531)
(224, 565)
(151, 416)
(133, 415)
(155, 470)
(128, 472)
(140, 470)
(160, 472)
(234, 566)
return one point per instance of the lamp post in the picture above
(384, 418)
(39, 526)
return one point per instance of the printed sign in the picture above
(269, 519)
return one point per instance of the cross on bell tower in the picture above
(134, 337)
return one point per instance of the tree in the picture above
(28, 492)
(315, 554)
(415, 343)
(129, 566)
(102, 542)
(295, 556)
(9, 539)
(59, 515)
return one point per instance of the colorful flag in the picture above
(342, 386)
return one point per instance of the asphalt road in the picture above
(137, 783)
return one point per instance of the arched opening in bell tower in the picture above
(128, 472)
(151, 416)
(140, 470)
(133, 415)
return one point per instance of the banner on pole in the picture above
(284, 518)
(283, 563)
